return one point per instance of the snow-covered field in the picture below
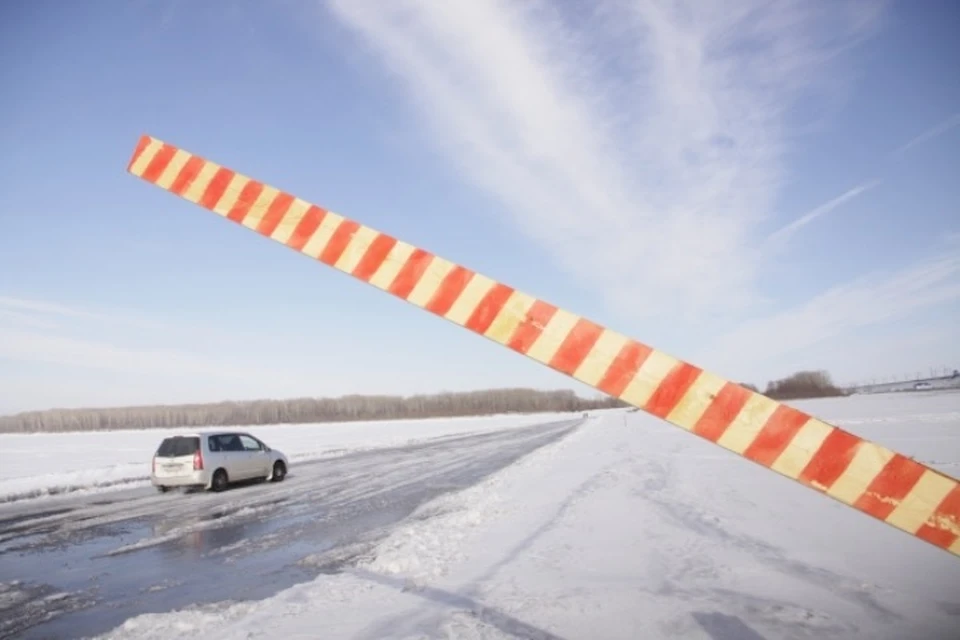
(631, 529)
(42, 464)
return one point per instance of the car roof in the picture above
(201, 434)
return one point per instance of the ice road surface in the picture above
(627, 527)
(80, 565)
(35, 465)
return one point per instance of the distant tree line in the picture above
(803, 384)
(305, 410)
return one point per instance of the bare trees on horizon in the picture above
(804, 384)
(304, 410)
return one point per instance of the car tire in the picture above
(279, 471)
(219, 481)
(163, 489)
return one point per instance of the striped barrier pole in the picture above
(861, 474)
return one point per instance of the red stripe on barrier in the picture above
(410, 273)
(214, 191)
(831, 459)
(575, 347)
(623, 368)
(138, 151)
(339, 241)
(376, 253)
(780, 428)
(671, 390)
(159, 163)
(248, 195)
(275, 213)
(532, 326)
(721, 413)
(449, 290)
(942, 531)
(307, 226)
(188, 173)
(892, 485)
(490, 305)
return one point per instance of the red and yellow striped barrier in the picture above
(866, 476)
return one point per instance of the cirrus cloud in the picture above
(642, 143)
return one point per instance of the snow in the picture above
(36, 465)
(630, 528)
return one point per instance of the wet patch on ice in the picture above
(786, 619)
(23, 605)
(208, 521)
(950, 608)
(721, 626)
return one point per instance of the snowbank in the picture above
(627, 529)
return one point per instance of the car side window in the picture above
(249, 443)
(227, 442)
(234, 443)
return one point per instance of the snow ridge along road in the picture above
(83, 565)
(873, 479)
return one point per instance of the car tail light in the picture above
(197, 460)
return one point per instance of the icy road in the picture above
(80, 566)
(621, 527)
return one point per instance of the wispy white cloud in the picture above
(20, 318)
(933, 132)
(45, 307)
(66, 365)
(640, 142)
(44, 312)
(53, 348)
(143, 358)
(869, 301)
(779, 237)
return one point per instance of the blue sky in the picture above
(756, 189)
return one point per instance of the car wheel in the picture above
(163, 489)
(219, 482)
(279, 471)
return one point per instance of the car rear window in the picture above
(178, 446)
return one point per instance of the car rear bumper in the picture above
(194, 478)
